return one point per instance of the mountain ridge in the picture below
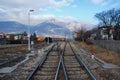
(46, 28)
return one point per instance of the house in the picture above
(107, 33)
(2, 38)
(2, 35)
(104, 33)
(76, 35)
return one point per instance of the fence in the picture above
(113, 45)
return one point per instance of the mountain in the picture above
(51, 29)
(12, 27)
(46, 28)
(56, 22)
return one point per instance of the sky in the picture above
(63, 10)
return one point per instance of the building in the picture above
(2, 38)
(107, 33)
(104, 33)
(2, 35)
(76, 35)
(16, 38)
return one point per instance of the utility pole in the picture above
(29, 29)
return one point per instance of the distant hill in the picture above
(47, 28)
(12, 27)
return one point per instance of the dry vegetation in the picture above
(104, 54)
(13, 49)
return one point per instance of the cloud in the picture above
(67, 19)
(102, 2)
(37, 4)
(58, 10)
(36, 19)
(2, 10)
(74, 6)
(60, 3)
(42, 9)
(111, 3)
(17, 10)
(97, 1)
(78, 25)
(115, 5)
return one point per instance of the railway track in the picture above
(74, 66)
(61, 64)
(48, 67)
(63, 61)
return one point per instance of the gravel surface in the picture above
(96, 66)
(25, 68)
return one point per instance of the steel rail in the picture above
(63, 65)
(83, 64)
(39, 65)
(64, 69)
(58, 69)
(87, 69)
(59, 65)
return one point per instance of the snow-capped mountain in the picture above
(46, 28)
(12, 27)
(51, 29)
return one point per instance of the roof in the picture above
(1, 33)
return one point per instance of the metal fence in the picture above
(113, 45)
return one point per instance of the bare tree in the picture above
(110, 18)
(117, 18)
(81, 32)
(102, 17)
